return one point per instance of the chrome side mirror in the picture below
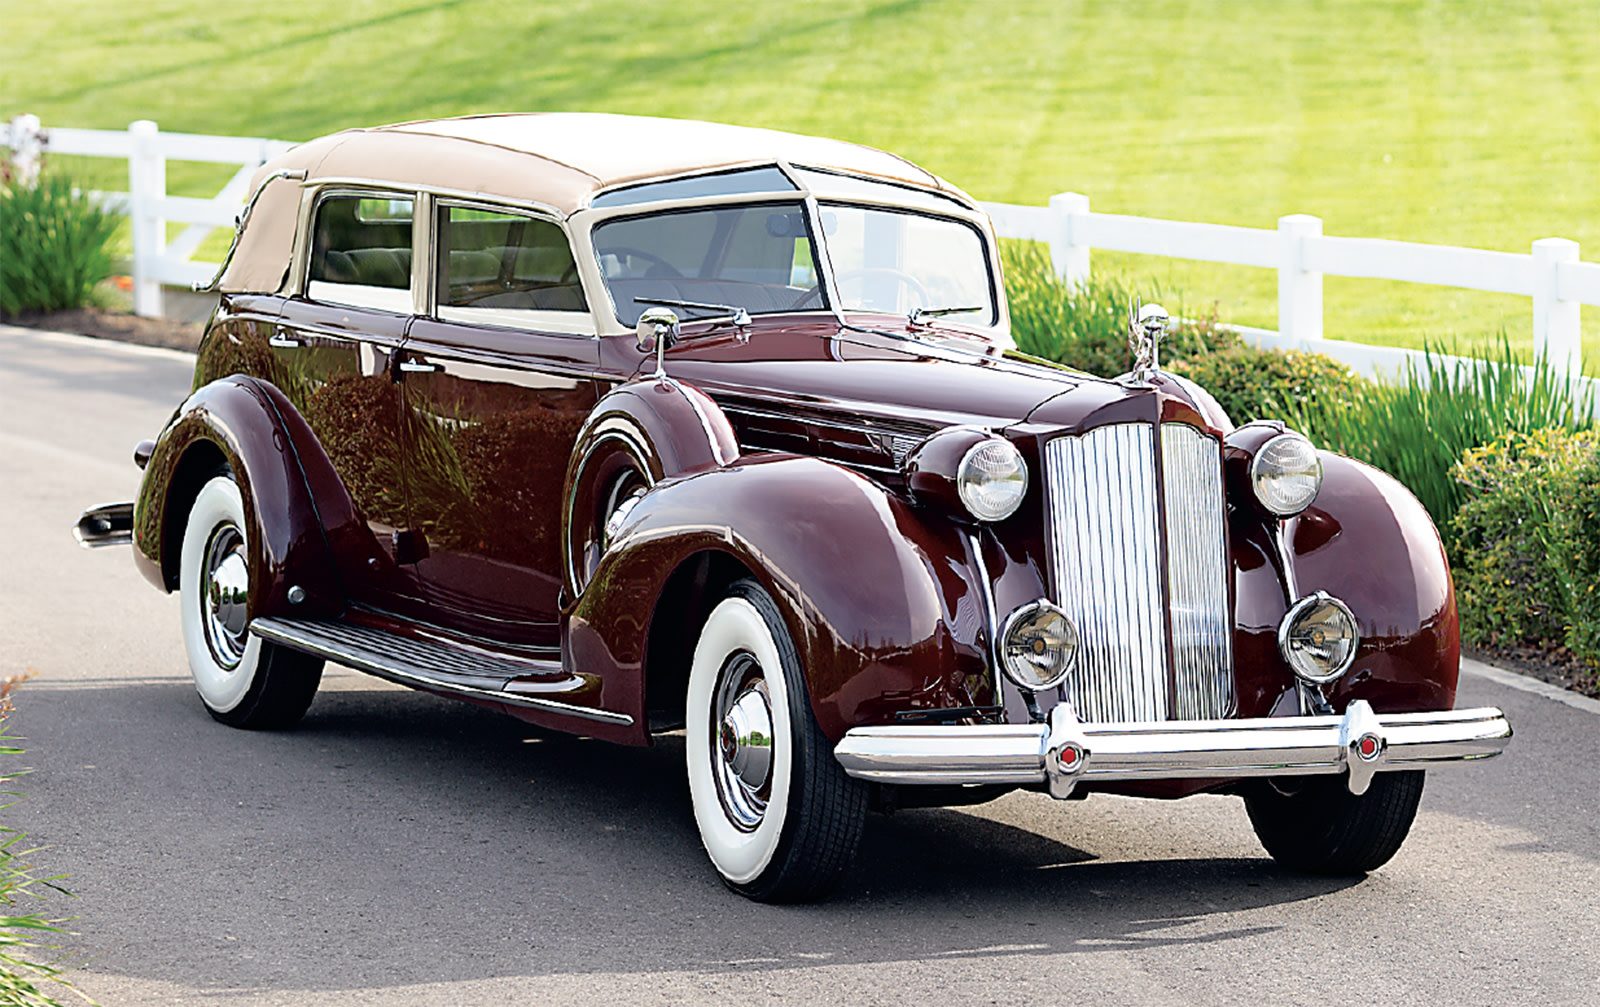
(1147, 326)
(657, 330)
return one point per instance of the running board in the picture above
(439, 665)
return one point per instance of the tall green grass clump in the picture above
(25, 981)
(54, 245)
(1417, 429)
(1086, 328)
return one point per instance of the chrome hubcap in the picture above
(742, 755)
(224, 612)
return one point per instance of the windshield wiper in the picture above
(919, 316)
(736, 314)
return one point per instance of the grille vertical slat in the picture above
(1106, 505)
(1197, 573)
(1103, 491)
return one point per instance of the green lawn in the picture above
(1472, 123)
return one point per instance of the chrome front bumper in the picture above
(1066, 751)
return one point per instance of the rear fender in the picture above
(251, 427)
(868, 589)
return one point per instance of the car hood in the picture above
(896, 377)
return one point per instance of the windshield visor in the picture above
(760, 258)
(896, 261)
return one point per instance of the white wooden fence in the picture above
(147, 150)
(1551, 274)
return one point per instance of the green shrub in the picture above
(1575, 551)
(1252, 384)
(1508, 580)
(1416, 430)
(53, 246)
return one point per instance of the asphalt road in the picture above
(398, 848)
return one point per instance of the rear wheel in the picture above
(243, 680)
(777, 814)
(1317, 826)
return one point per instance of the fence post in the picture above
(147, 188)
(1299, 289)
(27, 143)
(1557, 325)
(1069, 257)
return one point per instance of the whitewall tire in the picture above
(242, 680)
(777, 815)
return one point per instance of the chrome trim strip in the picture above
(919, 754)
(1199, 614)
(287, 633)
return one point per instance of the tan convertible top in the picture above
(557, 159)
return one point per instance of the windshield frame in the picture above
(584, 223)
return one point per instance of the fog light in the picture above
(1318, 638)
(1037, 646)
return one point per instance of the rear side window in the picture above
(499, 268)
(361, 252)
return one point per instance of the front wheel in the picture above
(242, 680)
(1315, 825)
(777, 814)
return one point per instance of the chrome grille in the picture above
(1106, 507)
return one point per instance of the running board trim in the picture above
(362, 649)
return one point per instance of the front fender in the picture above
(1367, 541)
(869, 589)
(249, 425)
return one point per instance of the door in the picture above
(498, 383)
(333, 356)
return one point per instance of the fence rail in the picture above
(1551, 274)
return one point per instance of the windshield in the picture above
(896, 261)
(760, 258)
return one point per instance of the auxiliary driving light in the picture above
(1318, 638)
(1037, 646)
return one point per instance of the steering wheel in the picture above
(628, 251)
(900, 276)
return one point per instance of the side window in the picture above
(498, 268)
(361, 253)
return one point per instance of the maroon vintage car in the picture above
(625, 426)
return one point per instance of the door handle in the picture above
(281, 340)
(411, 365)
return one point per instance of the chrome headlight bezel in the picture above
(992, 479)
(1015, 626)
(1295, 658)
(1288, 456)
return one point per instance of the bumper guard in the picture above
(1066, 751)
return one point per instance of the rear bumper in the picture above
(107, 524)
(1066, 752)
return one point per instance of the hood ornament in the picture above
(1147, 326)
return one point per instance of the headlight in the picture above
(1038, 646)
(1286, 474)
(1318, 638)
(992, 479)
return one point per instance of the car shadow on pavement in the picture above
(432, 841)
